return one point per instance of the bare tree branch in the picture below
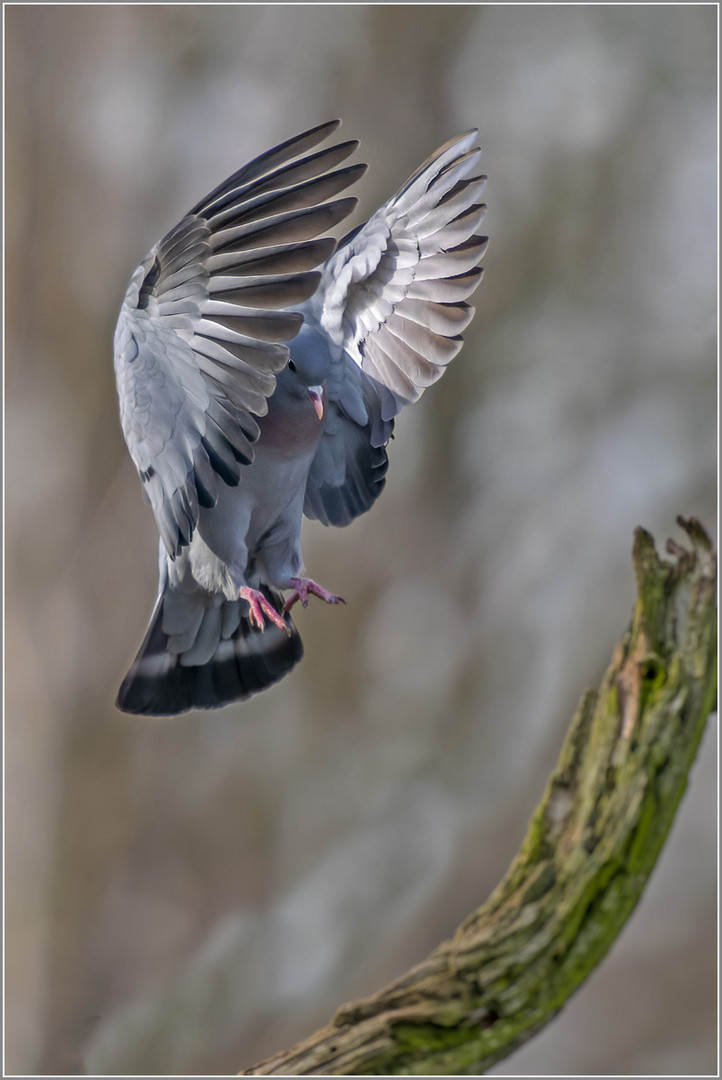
(590, 848)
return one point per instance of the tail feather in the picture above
(208, 673)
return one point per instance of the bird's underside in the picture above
(260, 368)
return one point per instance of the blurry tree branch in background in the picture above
(590, 848)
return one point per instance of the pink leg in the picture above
(261, 610)
(302, 587)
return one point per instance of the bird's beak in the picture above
(316, 395)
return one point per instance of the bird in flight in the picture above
(260, 366)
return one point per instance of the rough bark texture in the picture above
(588, 853)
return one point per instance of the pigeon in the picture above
(260, 366)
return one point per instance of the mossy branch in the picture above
(590, 848)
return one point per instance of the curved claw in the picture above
(261, 610)
(303, 587)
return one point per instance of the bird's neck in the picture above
(291, 424)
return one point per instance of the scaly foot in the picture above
(260, 609)
(302, 587)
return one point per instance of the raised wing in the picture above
(394, 294)
(199, 337)
(392, 301)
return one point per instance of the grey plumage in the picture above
(236, 434)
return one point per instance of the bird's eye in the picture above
(291, 365)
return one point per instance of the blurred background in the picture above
(189, 895)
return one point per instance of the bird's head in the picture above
(308, 366)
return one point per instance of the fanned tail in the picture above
(201, 652)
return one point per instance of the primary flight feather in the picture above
(259, 370)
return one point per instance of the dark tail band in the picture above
(228, 659)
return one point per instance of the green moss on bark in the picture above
(590, 848)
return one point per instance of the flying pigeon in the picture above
(259, 368)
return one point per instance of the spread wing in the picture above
(201, 330)
(393, 304)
